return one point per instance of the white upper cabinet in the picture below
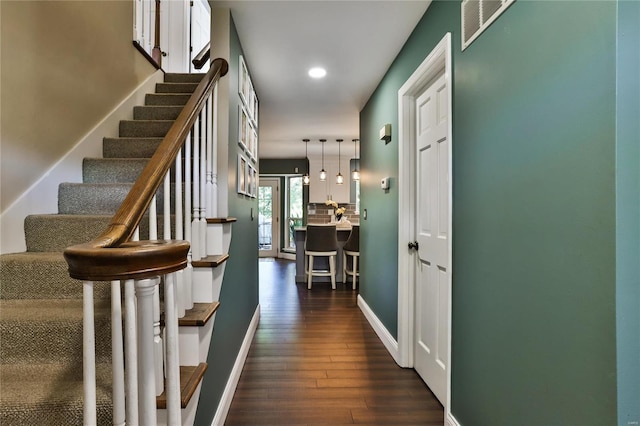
(319, 191)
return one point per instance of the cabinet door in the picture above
(320, 191)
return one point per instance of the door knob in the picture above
(413, 245)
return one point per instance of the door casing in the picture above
(435, 63)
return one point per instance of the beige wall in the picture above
(64, 66)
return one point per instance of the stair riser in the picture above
(166, 99)
(183, 78)
(100, 170)
(54, 233)
(41, 276)
(130, 147)
(22, 341)
(91, 199)
(144, 128)
(176, 87)
(156, 112)
(96, 199)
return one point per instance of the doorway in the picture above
(425, 221)
(185, 28)
(268, 217)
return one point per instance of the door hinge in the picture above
(191, 3)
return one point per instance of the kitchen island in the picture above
(301, 233)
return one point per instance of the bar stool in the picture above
(321, 241)
(351, 248)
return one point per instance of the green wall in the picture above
(628, 212)
(239, 295)
(534, 248)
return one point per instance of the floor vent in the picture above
(477, 15)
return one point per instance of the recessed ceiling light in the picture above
(317, 72)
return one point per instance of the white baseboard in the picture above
(450, 420)
(387, 339)
(234, 377)
(42, 196)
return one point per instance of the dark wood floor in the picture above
(316, 360)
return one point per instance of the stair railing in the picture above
(202, 57)
(139, 362)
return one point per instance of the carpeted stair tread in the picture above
(41, 276)
(144, 128)
(167, 98)
(176, 87)
(50, 330)
(91, 198)
(130, 147)
(112, 170)
(50, 394)
(56, 232)
(183, 78)
(156, 112)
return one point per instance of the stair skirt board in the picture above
(236, 371)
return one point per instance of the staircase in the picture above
(41, 307)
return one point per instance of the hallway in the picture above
(315, 360)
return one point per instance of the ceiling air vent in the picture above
(477, 15)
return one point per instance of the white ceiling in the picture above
(356, 41)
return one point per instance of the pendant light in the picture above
(339, 177)
(323, 173)
(355, 174)
(305, 177)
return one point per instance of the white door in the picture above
(268, 217)
(200, 31)
(432, 275)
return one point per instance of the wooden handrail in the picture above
(202, 57)
(144, 259)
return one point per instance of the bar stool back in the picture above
(351, 248)
(321, 241)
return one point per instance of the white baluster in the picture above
(117, 355)
(195, 224)
(214, 156)
(153, 220)
(146, 373)
(179, 193)
(88, 354)
(187, 289)
(202, 229)
(157, 343)
(167, 208)
(131, 351)
(172, 351)
(209, 161)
